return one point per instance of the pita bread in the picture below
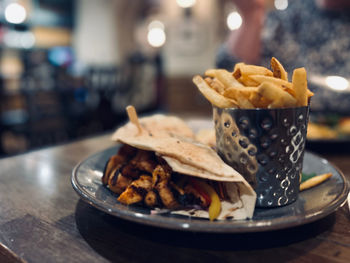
(157, 125)
(171, 139)
(185, 150)
(207, 136)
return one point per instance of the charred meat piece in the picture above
(144, 161)
(136, 191)
(125, 153)
(194, 197)
(166, 195)
(117, 182)
(129, 170)
(151, 199)
(160, 180)
(115, 162)
(164, 165)
(160, 174)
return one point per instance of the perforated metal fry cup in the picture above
(267, 147)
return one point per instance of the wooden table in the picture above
(42, 219)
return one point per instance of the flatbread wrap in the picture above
(161, 165)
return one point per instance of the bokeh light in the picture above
(281, 4)
(186, 3)
(156, 37)
(27, 40)
(234, 20)
(18, 39)
(15, 13)
(337, 83)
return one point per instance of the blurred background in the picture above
(68, 68)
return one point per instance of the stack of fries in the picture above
(251, 87)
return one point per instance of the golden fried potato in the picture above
(250, 86)
(246, 80)
(218, 86)
(279, 82)
(278, 70)
(258, 101)
(278, 97)
(315, 181)
(237, 65)
(247, 70)
(224, 77)
(299, 82)
(243, 102)
(290, 90)
(212, 95)
(232, 92)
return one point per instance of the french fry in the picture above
(233, 92)
(213, 96)
(299, 82)
(247, 81)
(237, 74)
(279, 82)
(278, 70)
(290, 90)
(224, 77)
(251, 70)
(278, 97)
(243, 102)
(316, 180)
(218, 86)
(209, 81)
(250, 86)
(215, 84)
(258, 101)
(237, 65)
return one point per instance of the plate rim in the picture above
(200, 225)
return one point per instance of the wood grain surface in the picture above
(42, 219)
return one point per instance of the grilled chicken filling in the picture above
(136, 191)
(141, 177)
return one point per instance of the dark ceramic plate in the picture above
(311, 205)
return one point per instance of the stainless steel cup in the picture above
(267, 147)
